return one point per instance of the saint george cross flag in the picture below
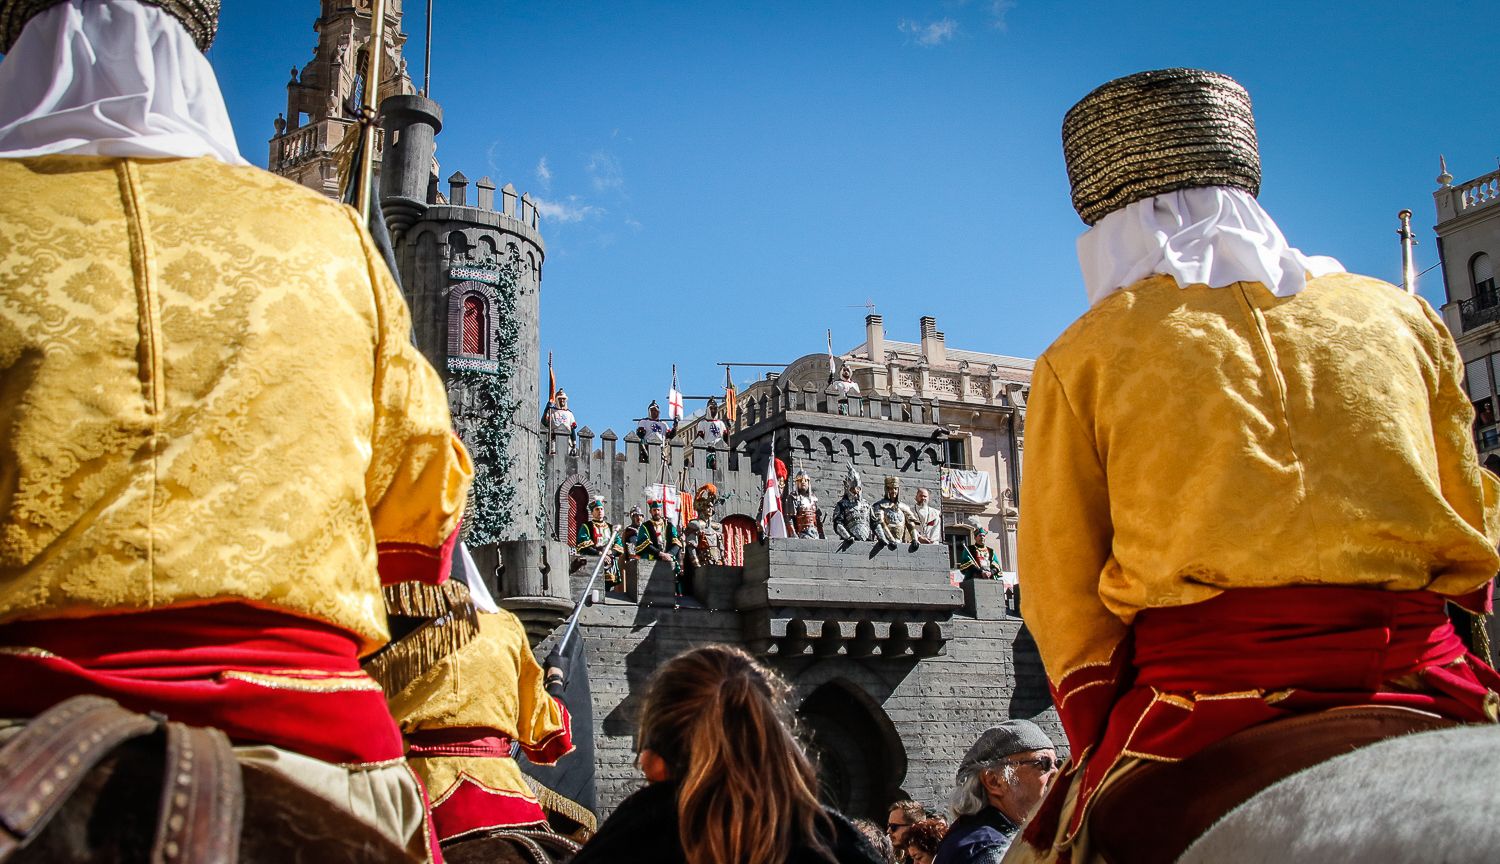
(772, 521)
(674, 399)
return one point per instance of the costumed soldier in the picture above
(929, 520)
(460, 745)
(975, 559)
(182, 535)
(654, 430)
(558, 418)
(893, 520)
(657, 538)
(703, 537)
(714, 431)
(851, 515)
(593, 540)
(1310, 576)
(802, 508)
(630, 534)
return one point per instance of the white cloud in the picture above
(929, 34)
(544, 173)
(604, 171)
(998, 10)
(570, 209)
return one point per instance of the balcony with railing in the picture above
(1483, 308)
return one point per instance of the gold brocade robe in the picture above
(191, 414)
(490, 686)
(1192, 440)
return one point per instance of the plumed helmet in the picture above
(199, 17)
(1158, 131)
(706, 491)
(851, 477)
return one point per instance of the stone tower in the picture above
(319, 98)
(471, 268)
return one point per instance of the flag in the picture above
(551, 380)
(832, 367)
(671, 500)
(772, 521)
(731, 398)
(674, 399)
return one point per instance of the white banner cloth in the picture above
(965, 485)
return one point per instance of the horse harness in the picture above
(202, 795)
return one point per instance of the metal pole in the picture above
(427, 60)
(366, 188)
(1408, 266)
(578, 609)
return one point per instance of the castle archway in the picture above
(861, 762)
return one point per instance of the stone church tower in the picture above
(470, 264)
(319, 99)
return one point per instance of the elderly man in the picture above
(1000, 782)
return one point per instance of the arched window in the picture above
(475, 335)
(578, 512)
(1482, 276)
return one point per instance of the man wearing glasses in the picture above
(1000, 782)
(898, 822)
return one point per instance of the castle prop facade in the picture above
(897, 666)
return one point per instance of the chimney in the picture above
(875, 338)
(933, 349)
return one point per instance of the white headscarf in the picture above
(111, 78)
(1213, 236)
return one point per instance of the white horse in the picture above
(1426, 797)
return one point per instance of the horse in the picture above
(511, 846)
(88, 781)
(1427, 796)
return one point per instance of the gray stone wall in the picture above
(926, 710)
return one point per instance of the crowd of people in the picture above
(1252, 490)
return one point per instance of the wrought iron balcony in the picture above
(1480, 310)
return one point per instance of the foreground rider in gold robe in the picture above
(218, 440)
(1250, 489)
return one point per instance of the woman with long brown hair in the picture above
(729, 784)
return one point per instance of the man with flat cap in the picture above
(1252, 490)
(220, 442)
(1000, 781)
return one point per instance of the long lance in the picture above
(365, 171)
(562, 643)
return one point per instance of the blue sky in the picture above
(725, 181)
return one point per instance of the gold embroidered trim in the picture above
(1238, 694)
(1076, 690)
(559, 804)
(419, 600)
(305, 685)
(27, 651)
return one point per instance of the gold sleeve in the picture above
(1065, 534)
(419, 472)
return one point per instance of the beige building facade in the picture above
(1468, 237)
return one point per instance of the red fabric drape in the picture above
(260, 675)
(473, 335)
(1263, 654)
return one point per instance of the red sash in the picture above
(263, 677)
(1197, 674)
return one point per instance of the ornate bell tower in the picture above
(320, 99)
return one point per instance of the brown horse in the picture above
(88, 781)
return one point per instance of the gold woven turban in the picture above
(200, 17)
(1155, 132)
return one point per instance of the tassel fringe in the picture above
(453, 622)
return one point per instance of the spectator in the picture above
(878, 839)
(924, 838)
(727, 781)
(903, 814)
(1000, 782)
